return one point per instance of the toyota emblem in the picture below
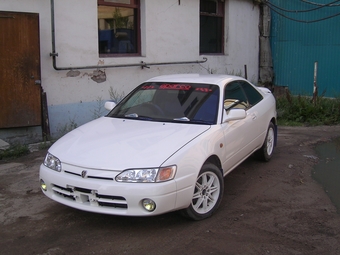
(83, 173)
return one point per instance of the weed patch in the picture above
(14, 152)
(299, 110)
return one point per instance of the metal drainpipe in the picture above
(142, 64)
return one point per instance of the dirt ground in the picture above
(267, 208)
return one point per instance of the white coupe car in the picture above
(166, 146)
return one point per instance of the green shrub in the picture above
(299, 110)
(14, 152)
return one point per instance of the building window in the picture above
(118, 27)
(211, 26)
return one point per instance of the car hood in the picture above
(118, 144)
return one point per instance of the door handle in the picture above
(37, 82)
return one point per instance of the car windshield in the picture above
(171, 102)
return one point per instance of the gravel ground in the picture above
(267, 208)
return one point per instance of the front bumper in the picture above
(99, 192)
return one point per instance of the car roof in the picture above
(218, 79)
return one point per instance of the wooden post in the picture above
(245, 72)
(45, 121)
(315, 86)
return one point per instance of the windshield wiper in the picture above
(136, 116)
(185, 119)
(201, 122)
(182, 119)
(131, 115)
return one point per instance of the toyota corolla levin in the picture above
(166, 146)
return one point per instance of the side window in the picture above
(211, 26)
(252, 94)
(118, 27)
(232, 92)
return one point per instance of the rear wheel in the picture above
(207, 195)
(266, 151)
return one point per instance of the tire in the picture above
(265, 153)
(207, 195)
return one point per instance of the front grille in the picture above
(112, 201)
(68, 172)
(110, 197)
(114, 205)
(89, 197)
(87, 191)
(64, 192)
(100, 178)
(106, 178)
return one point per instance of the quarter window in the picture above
(252, 94)
(118, 27)
(242, 91)
(211, 26)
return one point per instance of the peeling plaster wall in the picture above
(170, 32)
(243, 38)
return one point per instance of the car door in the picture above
(239, 135)
(260, 123)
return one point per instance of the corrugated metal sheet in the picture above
(296, 46)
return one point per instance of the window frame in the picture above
(220, 13)
(134, 4)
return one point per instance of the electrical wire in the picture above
(317, 4)
(272, 7)
(297, 11)
(304, 21)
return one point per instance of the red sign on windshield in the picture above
(148, 87)
(206, 90)
(175, 86)
(178, 86)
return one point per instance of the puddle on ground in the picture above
(327, 171)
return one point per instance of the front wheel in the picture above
(266, 151)
(207, 195)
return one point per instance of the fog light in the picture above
(43, 185)
(149, 205)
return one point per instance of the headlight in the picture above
(147, 175)
(52, 162)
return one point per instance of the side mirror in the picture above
(109, 105)
(234, 114)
